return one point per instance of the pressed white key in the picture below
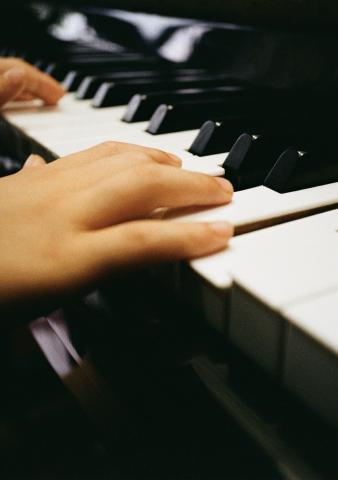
(311, 352)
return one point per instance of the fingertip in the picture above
(51, 91)
(202, 239)
(53, 98)
(225, 185)
(214, 237)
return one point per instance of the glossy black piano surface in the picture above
(163, 396)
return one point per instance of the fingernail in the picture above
(14, 75)
(225, 185)
(223, 229)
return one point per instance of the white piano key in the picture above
(250, 207)
(208, 165)
(80, 138)
(271, 268)
(87, 127)
(318, 318)
(115, 130)
(274, 268)
(303, 253)
(69, 110)
(260, 206)
(211, 301)
(56, 118)
(311, 353)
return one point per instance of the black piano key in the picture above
(251, 158)
(11, 52)
(72, 80)
(192, 114)
(255, 106)
(41, 64)
(106, 61)
(219, 136)
(295, 170)
(182, 116)
(112, 94)
(9, 166)
(57, 71)
(78, 72)
(89, 85)
(142, 106)
(302, 128)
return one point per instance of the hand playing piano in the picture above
(21, 81)
(67, 224)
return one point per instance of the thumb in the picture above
(12, 83)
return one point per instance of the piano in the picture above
(235, 92)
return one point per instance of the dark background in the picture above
(283, 12)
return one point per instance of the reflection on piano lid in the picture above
(252, 52)
(287, 12)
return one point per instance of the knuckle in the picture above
(143, 156)
(21, 63)
(160, 156)
(18, 61)
(108, 147)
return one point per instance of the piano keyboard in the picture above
(274, 291)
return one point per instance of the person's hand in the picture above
(68, 224)
(21, 81)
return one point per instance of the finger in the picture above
(83, 177)
(43, 86)
(34, 161)
(144, 242)
(25, 97)
(145, 188)
(109, 149)
(12, 84)
(38, 84)
(91, 174)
